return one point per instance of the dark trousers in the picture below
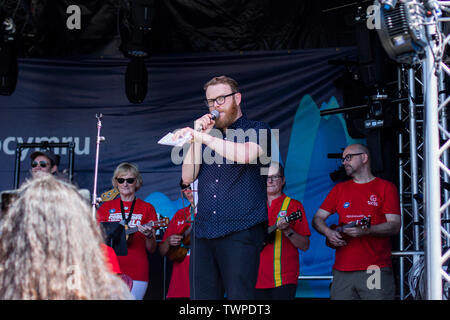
(286, 292)
(226, 266)
(357, 285)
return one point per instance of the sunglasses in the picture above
(128, 180)
(42, 164)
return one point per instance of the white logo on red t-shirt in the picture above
(181, 222)
(373, 201)
(135, 218)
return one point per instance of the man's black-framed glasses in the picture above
(349, 156)
(219, 100)
(42, 164)
(274, 178)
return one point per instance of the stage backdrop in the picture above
(57, 100)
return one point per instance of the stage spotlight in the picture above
(388, 4)
(142, 12)
(8, 56)
(136, 80)
(402, 30)
(338, 175)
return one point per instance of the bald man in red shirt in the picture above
(363, 267)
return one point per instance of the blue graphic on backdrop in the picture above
(163, 205)
(307, 180)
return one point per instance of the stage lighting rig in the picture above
(388, 4)
(376, 115)
(402, 29)
(8, 55)
(141, 18)
(136, 45)
(338, 175)
(136, 80)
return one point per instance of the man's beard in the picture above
(229, 117)
(349, 170)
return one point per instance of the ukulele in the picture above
(270, 236)
(363, 223)
(109, 194)
(162, 223)
(177, 253)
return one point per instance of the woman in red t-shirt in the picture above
(133, 212)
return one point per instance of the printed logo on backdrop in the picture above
(8, 145)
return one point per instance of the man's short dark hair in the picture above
(222, 80)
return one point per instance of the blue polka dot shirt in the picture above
(231, 196)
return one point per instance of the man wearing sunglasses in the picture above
(44, 161)
(175, 244)
(231, 219)
(363, 268)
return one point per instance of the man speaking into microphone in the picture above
(231, 220)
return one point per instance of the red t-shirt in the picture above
(179, 281)
(353, 201)
(111, 259)
(279, 261)
(135, 263)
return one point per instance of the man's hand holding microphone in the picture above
(201, 125)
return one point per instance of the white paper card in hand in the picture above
(168, 141)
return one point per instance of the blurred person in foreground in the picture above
(51, 247)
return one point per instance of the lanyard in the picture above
(127, 220)
(284, 206)
(191, 213)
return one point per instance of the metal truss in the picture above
(437, 172)
(411, 146)
(426, 172)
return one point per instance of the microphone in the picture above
(214, 115)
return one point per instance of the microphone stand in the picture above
(96, 200)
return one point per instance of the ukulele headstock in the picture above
(294, 216)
